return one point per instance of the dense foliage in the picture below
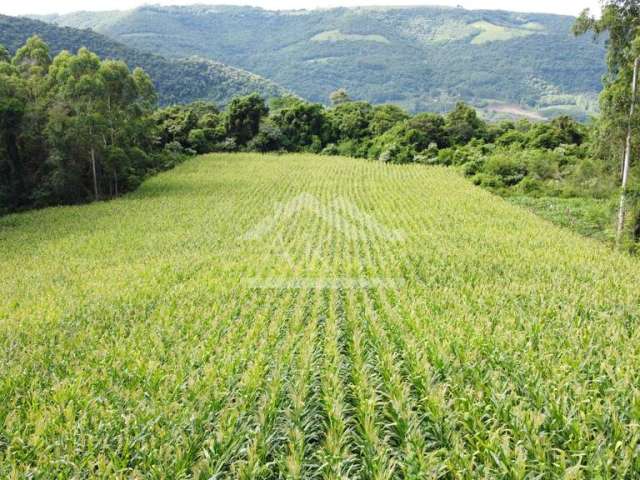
(423, 58)
(547, 166)
(76, 128)
(619, 21)
(73, 128)
(484, 342)
(176, 80)
(559, 159)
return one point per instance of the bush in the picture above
(330, 149)
(589, 177)
(226, 145)
(398, 144)
(445, 156)
(429, 156)
(474, 166)
(198, 141)
(347, 148)
(397, 154)
(512, 137)
(505, 167)
(531, 186)
(488, 181)
(539, 164)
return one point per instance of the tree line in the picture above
(555, 159)
(75, 128)
(72, 128)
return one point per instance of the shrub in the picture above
(401, 142)
(474, 166)
(539, 164)
(530, 186)
(429, 156)
(198, 141)
(512, 137)
(488, 181)
(395, 153)
(330, 149)
(226, 145)
(505, 167)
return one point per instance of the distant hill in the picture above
(424, 58)
(176, 80)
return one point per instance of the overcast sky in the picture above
(20, 7)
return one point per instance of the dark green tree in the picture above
(303, 126)
(463, 124)
(4, 55)
(617, 128)
(619, 21)
(243, 117)
(432, 126)
(386, 117)
(351, 120)
(13, 104)
(33, 58)
(81, 93)
(73, 128)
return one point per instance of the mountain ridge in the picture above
(422, 58)
(178, 80)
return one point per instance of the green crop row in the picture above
(379, 322)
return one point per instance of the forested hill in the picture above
(176, 80)
(424, 58)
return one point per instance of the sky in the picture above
(23, 7)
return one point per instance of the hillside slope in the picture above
(424, 58)
(312, 316)
(177, 80)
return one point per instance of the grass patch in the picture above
(337, 36)
(588, 216)
(490, 32)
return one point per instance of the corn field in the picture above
(263, 317)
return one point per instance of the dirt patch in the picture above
(515, 110)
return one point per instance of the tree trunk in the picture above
(627, 155)
(16, 173)
(95, 174)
